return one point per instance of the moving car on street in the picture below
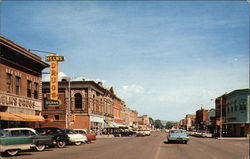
(60, 138)
(75, 138)
(40, 141)
(178, 136)
(12, 144)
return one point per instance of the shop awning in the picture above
(33, 118)
(20, 117)
(9, 116)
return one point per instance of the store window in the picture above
(78, 101)
(17, 85)
(8, 82)
(56, 117)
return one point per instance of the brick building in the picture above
(89, 107)
(220, 113)
(20, 86)
(190, 122)
(201, 117)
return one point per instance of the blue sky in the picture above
(164, 58)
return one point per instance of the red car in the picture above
(90, 136)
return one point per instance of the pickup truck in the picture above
(40, 141)
(11, 145)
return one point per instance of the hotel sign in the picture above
(20, 102)
(53, 59)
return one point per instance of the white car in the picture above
(147, 132)
(75, 138)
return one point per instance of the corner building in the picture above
(20, 86)
(89, 106)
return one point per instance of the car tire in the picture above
(78, 143)
(12, 152)
(40, 147)
(61, 144)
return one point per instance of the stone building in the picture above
(20, 86)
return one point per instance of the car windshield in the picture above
(70, 131)
(177, 131)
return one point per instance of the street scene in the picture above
(151, 147)
(124, 80)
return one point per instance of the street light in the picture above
(221, 117)
(69, 101)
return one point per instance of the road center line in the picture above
(158, 151)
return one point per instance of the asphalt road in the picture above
(150, 147)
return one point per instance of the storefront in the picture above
(20, 85)
(96, 124)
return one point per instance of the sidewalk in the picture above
(104, 136)
(232, 138)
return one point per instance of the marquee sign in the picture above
(53, 59)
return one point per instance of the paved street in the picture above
(151, 147)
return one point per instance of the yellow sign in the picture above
(53, 59)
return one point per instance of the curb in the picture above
(233, 138)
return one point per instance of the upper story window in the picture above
(28, 88)
(78, 101)
(36, 90)
(8, 82)
(17, 85)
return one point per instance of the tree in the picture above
(169, 125)
(158, 124)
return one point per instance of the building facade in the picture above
(20, 86)
(220, 114)
(83, 105)
(201, 117)
(190, 122)
(237, 113)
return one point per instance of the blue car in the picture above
(178, 136)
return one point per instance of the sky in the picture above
(165, 59)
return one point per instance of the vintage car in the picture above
(40, 141)
(60, 138)
(75, 137)
(90, 136)
(147, 132)
(177, 135)
(12, 144)
(140, 133)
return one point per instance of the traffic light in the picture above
(73, 117)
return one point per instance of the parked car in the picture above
(90, 136)
(140, 133)
(12, 144)
(178, 135)
(40, 141)
(75, 137)
(147, 132)
(60, 138)
(127, 132)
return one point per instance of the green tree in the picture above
(158, 124)
(169, 125)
